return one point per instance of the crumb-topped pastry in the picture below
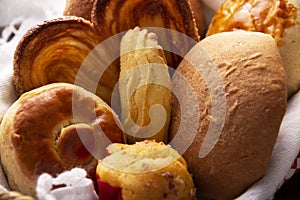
(145, 170)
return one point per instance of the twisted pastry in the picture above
(144, 87)
(115, 16)
(54, 52)
(268, 16)
(43, 132)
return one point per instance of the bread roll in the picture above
(253, 100)
(43, 132)
(146, 170)
(145, 87)
(279, 18)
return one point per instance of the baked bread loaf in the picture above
(52, 129)
(231, 149)
(279, 18)
(79, 8)
(144, 87)
(55, 51)
(146, 170)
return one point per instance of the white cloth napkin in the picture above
(77, 186)
(285, 150)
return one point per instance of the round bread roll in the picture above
(79, 8)
(41, 132)
(145, 170)
(239, 147)
(279, 18)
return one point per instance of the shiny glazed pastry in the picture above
(279, 18)
(144, 87)
(146, 170)
(54, 52)
(114, 16)
(231, 149)
(43, 132)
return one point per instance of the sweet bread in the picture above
(146, 170)
(238, 125)
(55, 128)
(144, 83)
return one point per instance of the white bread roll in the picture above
(254, 83)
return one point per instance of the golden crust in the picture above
(39, 133)
(81, 8)
(54, 52)
(115, 16)
(267, 16)
(144, 69)
(256, 96)
(197, 9)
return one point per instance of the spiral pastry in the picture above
(54, 52)
(114, 16)
(43, 132)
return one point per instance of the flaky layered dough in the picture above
(79, 8)
(41, 132)
(144, 83)
(115, 16)
(255, 92)
(54, 52)
(146, 170)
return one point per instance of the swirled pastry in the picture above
(146, 170)
(55, 51)
(79, 8)
(144, 87)
(52, 129)
(114, 16)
